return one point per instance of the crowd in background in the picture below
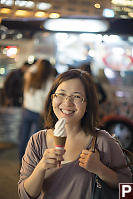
(26, 88)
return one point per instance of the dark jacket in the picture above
(13, 88)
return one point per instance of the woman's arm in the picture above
(27, 80)
(108, 176)
(91, 162)
(33, 184)
(102, 162)
(36, 161)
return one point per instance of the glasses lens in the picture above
(77, 99)
(74, 98)
(59, 96)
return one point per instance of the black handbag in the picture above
(100, 190)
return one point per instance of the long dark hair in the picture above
(90, 119)
(40, 77)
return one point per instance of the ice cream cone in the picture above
(60, 136)
(59, 142)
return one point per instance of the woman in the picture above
(73, 97)
(38, 80)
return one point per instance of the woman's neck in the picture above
(73, 130)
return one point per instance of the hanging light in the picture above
(76, 25)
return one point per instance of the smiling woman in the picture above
(73, 100)
(74, 83)
(69, 100)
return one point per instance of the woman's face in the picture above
(70, 101)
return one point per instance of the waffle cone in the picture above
(59, 141)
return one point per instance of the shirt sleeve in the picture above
(112, 156)
(32, 156)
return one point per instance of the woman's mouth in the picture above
(67, 112)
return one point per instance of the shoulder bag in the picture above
(100, 190)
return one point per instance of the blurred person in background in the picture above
(13, 86)
(38, 80)
(101, 92)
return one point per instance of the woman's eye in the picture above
(76, 96)
(61, 94)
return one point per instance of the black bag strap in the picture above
(127, 153)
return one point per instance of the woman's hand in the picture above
(90, 160)
(50, 158)
(33, 184)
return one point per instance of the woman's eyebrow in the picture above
(62, 90)
(75, 92)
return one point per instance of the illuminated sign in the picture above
(118, 62)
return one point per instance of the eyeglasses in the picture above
(76, 99)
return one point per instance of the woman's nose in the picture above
(68, 99)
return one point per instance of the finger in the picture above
(85, 152)
(83, 161)
(81, 165)
(83, 156)
(51, 161)
(60, 158)
(50, 151)
(60, 152)
(49, 155)
(49, 166)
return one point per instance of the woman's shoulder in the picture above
(37, 142)
(42, 140)
(104, 136)
(106, 142)
(42, 135)
(39, 137)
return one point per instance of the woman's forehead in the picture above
(72, 85)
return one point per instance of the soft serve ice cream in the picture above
(60, 134)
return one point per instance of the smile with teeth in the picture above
(68, 112)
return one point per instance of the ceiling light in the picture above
(97, 5)
(40, 14)
(23, 13)
(28, 4)
(108, 13)
(54, 15)
(7, 2)
(122, 2)
(5, 11)
(43, 6)
(76, 25)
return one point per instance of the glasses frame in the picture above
(70, 96)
